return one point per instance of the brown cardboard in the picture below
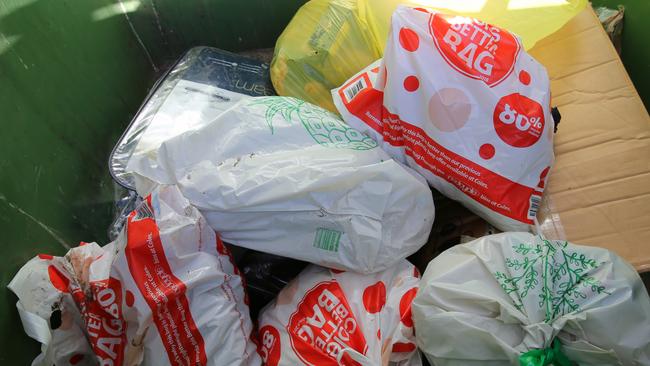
(599, 189)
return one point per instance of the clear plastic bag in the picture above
(326, 42)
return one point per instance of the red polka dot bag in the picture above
(461, 102)
(328, 317)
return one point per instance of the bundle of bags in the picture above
(327, 41)
(454, 103)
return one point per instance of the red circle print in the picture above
(486, 151)
(374, 297)
(336, 271)
(76, 359)
(490, 59)
(129, 298)
(58, 279)
(409, 39)
(45, 256)
(518, 120)
(524, 77)
(269, 345)
(405, 306)
(400, 347)
(411, 83)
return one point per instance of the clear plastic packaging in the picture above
(204, 82)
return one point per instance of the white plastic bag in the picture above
(329, 318)
(164, 293)
(510, 298)
(462, 103)
(285, 177)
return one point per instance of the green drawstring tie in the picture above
(547, 356)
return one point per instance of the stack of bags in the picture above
(455, 104)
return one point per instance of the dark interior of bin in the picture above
(73, 73)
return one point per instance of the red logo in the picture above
(269, 346)
(475, 49)
(518, 120)
(102, 315)
(323, 325)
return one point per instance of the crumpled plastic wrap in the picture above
(165, 292)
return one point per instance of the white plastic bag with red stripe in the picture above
(164, 293)
(462, 103)
(328, 318)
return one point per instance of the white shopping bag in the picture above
(514, 298)
(164, 293)
(285, 177)
(329, 318)
(462, 103)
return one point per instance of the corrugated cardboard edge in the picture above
(599, 189)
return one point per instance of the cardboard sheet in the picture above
(599, 190)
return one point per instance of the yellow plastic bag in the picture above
(324, 44)
(328, 41)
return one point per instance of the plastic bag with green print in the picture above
(282, 176)
(518, 299)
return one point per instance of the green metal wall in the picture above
(69, 79)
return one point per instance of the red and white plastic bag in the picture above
(328, 318)
(461, 102)
(164, 293)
